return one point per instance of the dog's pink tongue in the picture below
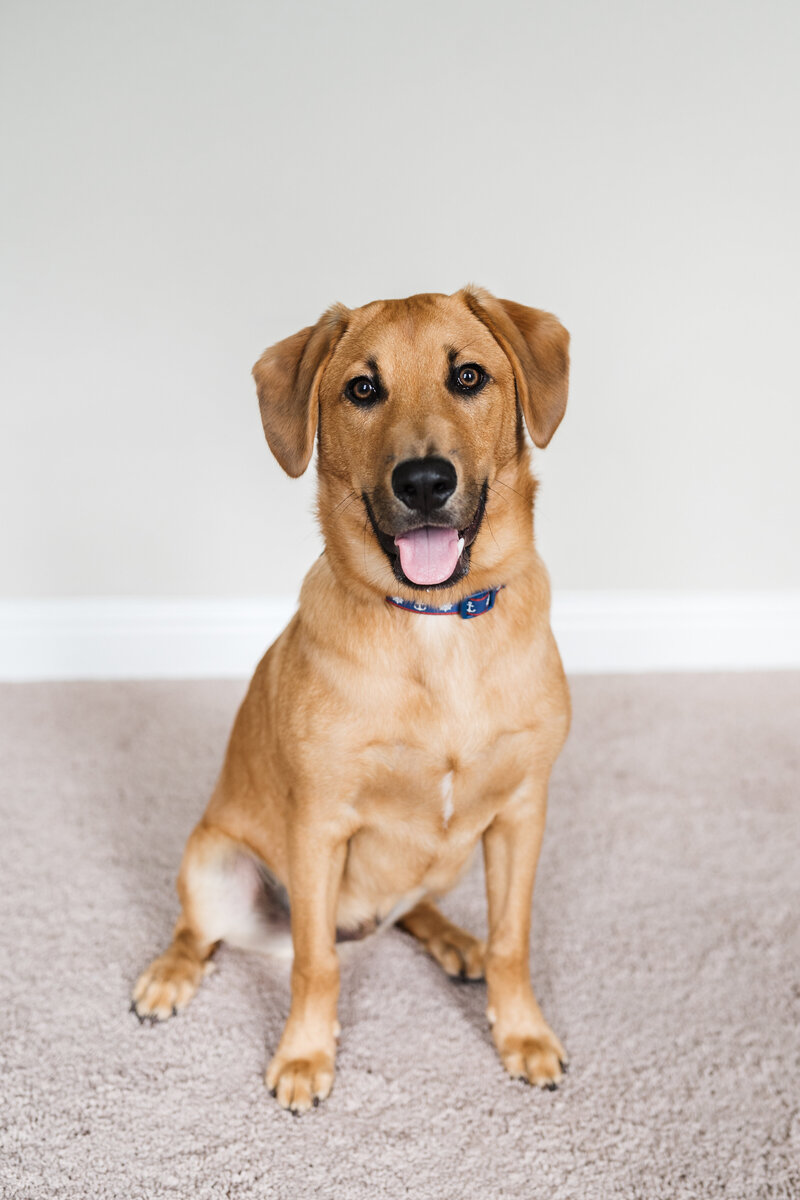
(428, 555)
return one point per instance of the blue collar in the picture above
(470, 606)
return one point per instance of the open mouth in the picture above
(431, 555)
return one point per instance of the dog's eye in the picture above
(469, 378)
(361, 391)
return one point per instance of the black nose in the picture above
(424, 484)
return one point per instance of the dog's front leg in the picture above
(301, 1072)
(526, 1044)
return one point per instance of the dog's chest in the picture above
(443, 737)
(449, 744)
(424, 800)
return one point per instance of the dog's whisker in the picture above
(353, 500)
(344, 504)
(501, 498)
(491, 531)
(508, 485)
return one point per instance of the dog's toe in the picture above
(166, 987)
(461, 959)
(536, 1059)
(299, 1084)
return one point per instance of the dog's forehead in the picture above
(421, 330)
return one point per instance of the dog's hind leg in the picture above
(223, 897)
(457, 952)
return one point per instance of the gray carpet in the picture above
(666, 954)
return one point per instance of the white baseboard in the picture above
(673, 631)
(150, 638)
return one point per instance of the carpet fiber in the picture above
(666, 955)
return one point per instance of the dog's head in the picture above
(419, 405)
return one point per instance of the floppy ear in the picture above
(287, 381)
(537, 346)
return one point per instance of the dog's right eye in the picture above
(361, 391)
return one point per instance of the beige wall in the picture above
(185, 183)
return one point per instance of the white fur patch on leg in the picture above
(234, 903)
(448, 806)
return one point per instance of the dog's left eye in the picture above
(361, 391)
(469, 378)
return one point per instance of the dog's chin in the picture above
(466, 536)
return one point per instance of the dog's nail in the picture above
(174, 1011)
(273, 1091)
(564, 1066)
(133, 1006)
(316, 1102)
(551, 1086)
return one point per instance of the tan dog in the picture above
(377, 745)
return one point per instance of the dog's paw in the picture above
(537, 1058)
(300, 1083)
(460, 955)
(167, 986)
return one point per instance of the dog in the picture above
(416, 702)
